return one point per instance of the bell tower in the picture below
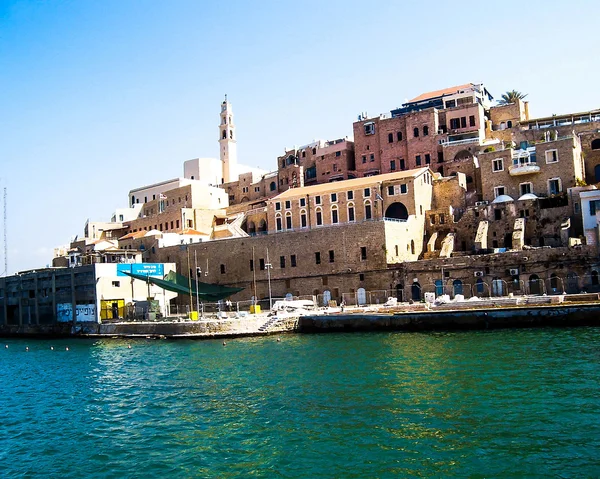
(227, 143)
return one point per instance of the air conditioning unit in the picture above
(478, 274)
(514, 271)
(482, 203)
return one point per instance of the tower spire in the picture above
(227, 143)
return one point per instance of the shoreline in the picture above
(416, 317)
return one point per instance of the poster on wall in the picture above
(147, 269)
(84, 312)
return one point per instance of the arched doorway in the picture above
(262, 227)
(479, 288)
(497, 287)
(400, 292)
(439, 287)
(457, 287)
(396, 211)
(251, 227)
(535, 285)
(554, 282)
(361, 296)
(415, 291)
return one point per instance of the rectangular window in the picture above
(222, 269)
(319, 218)
(177, 224)
(372, 157)
(402, 165)
(288, 204)
(333, 197)
(351, 213)
(278, 206)
(427, 159)
(463, 121)
(303, 220)
(364, 158)
(472, 120)
(432, 219)
(331, 256)
(317, 200)
(367, 212)
(303, 202)
(288, 222)
(454, 123)
(499, 191)
(293, 260)
(554, 186)
(338, 153)
(369, 128)
(393, 165)
(251, 265)
(363, 253)
(498, 164)
(367, 192)
(442, 218)
(418, 160)
(551, 156)
(399, 136)
(593, 207)
(317, 257)
(350, 195)
(391, 190)
(282, 262)
(390, 138)
(450, 103)
(116, 284)
(525, 188)
(497, 214)
(261, 264)
(403, 189)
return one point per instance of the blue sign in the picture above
(147, 269)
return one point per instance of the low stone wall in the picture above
(36, 330)
(516, 317)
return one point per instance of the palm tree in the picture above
(511, 97)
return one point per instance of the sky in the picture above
(98, 98)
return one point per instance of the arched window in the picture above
(457, 287)
(368, 213)
(334, 215)
(596, 144)
(415, 132)
(251, 228)
(319, 215)
(425, 130)
(553, 282)
(224, 134)
(351, 216)
(288, 220)
(303, 222)
(273, 186)
(314, 151)
(278, 222)
(132, 200)
(231, 134)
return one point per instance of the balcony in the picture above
(464, 141)
(524, 162)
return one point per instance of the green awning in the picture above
(178, 283)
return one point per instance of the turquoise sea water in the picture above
(513, 403)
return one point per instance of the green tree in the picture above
(511, 97)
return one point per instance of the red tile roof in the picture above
(438, 93)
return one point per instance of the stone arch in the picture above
(463, 155)
(245, 199)
(251, 228)
(397, 211)
(262, 227)
(535, 285)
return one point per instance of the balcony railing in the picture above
(523, 169)
(446, 143)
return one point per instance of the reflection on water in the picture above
(479, 404)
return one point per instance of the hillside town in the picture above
(453, 193)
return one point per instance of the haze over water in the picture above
(513, 403)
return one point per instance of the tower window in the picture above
(224, 134)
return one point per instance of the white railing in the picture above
(446, 143)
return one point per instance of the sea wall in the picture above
(518, 317)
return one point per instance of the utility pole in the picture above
(269, 266)
(196, 268)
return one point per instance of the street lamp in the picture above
(268, 265)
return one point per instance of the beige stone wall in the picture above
(450, 191)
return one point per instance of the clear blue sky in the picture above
(99, 97)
